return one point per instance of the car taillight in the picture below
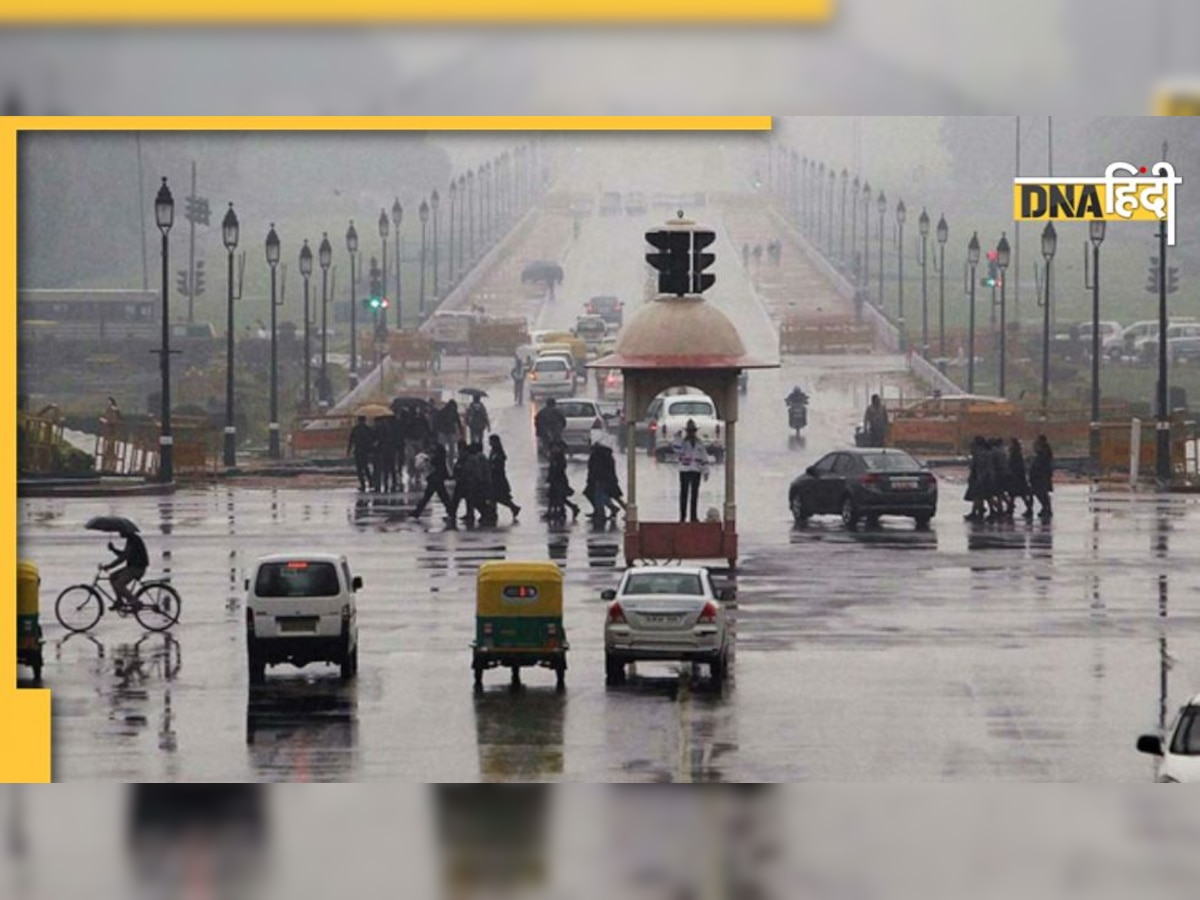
(616, 615)
(653, 427)
(487, 629)
(708, 615)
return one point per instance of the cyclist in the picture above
(135, 559)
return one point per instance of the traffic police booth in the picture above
(679, 338)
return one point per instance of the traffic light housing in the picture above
(701, 280)
(198, 287)
(1172, 279)
(992, 279)
(197, 210)
(672, 261)
(182, 285)
(680, 260)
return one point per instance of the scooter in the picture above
(798, 416)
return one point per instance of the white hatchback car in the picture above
(1180, 756)
(552, 376)
(300, 608)
(666, 613)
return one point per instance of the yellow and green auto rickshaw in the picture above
(29, 628)
(518, 620)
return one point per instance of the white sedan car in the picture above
(666, 613)
(1180, 755)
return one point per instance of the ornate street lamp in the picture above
(306, 267)
(1003, 258)
(325, 258)
(434, 203)
(229, 237)
(352, 248)
(423, 214)
(384, 228)
(881, 205)
(1096, 231)
(164, 217)
(923, 260)
(901, 217)
(1049, 247)
(273, 449)
(943, 235)
(397, 220)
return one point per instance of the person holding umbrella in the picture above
(133, 557)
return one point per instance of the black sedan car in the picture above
(863, 484)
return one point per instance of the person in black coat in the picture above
(1018, 481)
(501, 489)
(362, 446)
(435, 483)
(559, 487)
(977, 480)
(1041, 476)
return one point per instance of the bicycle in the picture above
(156, 605)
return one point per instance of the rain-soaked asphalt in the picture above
(972, 653)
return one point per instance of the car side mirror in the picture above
(356, 583)
(246, 584)
(1150, 744)
(811, 471)
(608, 595)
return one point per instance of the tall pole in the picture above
(137, 136)
(971, 338)
(450, 234)
(866, 258)
(191, 275)
(900, 271)
(845, 187)
(1094, 431)
(829, 230)
(854, 228)
(230, 234)
(353, 319)
(924, 293)
(1003, 335)
(383, 224)
(308, 348)
(273, 426)
(941, 299)
(1163, 444)
(1017, 242)
(324, 328)
(166, 465)
(399, 309)
(882, 204)
(434, 206)
(1046, 339)
(424, 228)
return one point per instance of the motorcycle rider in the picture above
(797, 404)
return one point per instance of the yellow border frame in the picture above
(25, 722)
(460, 12)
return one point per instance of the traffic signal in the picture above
(198, 287)
(1172, 279)
(701, 280)
(680, 260)
(196, 210)
(672, 261)
(183, 285)
(1152, 279)
(992, 279)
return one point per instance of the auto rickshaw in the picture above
(29, 627)
(518, 620)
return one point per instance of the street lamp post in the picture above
(972, 262)
(829, 226)
(881, 205)
(450, 232)
(434, 203)
(273, 426)
(943, 234)
(922, 260)
(463, 201)
(306, 267)
(325, 258)
(384, 228)
(854, 188)
(901, 216)
(820, 198)
(164, 216)
(229, 236)
(1003, 257)
(423, 213)
(397, 220)
(794, 198)
(1049, 245)
(471, 213)
(352, 248)
(1162, 468)
(845, 187)
(1096, 231)
(805, 202)
(866, 257)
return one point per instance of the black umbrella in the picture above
(118, 524)
(474, 393)
(400, 403)
(542, 271)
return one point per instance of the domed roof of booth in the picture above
(686, 332)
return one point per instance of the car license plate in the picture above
(905, 484)
(299, 624)
(662, 619)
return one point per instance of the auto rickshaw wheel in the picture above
(478, 679)
(560, 677)
(35, 663)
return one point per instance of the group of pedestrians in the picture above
(774, 253)
(999, 477)
(479, 483)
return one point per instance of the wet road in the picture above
(973, 653)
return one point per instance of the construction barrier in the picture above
(1116, 450)
(322, 435)
(411, 349)
(844, 336)
(498, 337)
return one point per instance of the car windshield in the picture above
(604, 302)
(890, 462)
(1186, 741)
(690, 408)
(551, 365)
(643, 583)
(297, 578)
